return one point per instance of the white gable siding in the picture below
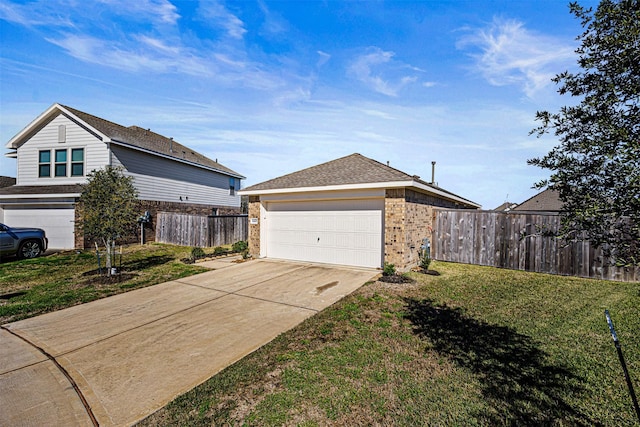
(165, 180)
(95, 152)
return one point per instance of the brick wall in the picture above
(408, 219)
(426, 199)
(394, 227)
(254, 229)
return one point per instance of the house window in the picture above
(232, 186)
(61, 163)
(44, 164)
(77, 162)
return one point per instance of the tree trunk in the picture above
(108, 244)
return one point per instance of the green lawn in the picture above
(36, 286)
(473, 346)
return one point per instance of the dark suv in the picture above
(22, 242)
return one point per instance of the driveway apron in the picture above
(115, 361)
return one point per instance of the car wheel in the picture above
(29, 249)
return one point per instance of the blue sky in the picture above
(268, 88)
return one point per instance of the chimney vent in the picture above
(433, 173)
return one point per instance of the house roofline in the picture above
(392, 184)
(17, 140)
(176, 159)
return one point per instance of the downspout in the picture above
(110, 153)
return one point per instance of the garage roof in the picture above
(350, 172)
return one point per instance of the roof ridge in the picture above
(146, 139)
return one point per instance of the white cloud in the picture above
(217, 14)
(34, 14)
(323, 58)
(163, 11)
(158, 44)
(373, 67)
(512, 55)
(274, 24)
(161, 59)
(59, 14)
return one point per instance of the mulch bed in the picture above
(396, 278)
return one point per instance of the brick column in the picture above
(254, 229)
(394, 227)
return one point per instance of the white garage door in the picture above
(56, 222)
(334, 232)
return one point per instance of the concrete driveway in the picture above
(116, 360)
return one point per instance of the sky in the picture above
(272, 87)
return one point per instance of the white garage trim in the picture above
(347, 232)
(57, 222)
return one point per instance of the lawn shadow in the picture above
(516, 378)
(143, 264)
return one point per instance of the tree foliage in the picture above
(108, 208)
(596, 166)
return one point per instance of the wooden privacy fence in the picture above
(520, 242)
(201, 231)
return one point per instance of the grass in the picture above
(36, 286)
(473, 346)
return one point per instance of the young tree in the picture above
(108, 208)
(596, 166)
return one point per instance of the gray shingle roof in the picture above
(40, 189)
(148, 140)
(7, 181)
(353, 169)
(546, 201)
(349, 170)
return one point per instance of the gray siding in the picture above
(161, 179)
(95, 152)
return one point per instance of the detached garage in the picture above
(350, 211)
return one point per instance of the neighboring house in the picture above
(506, 207)
(57, 151)
(351, 211)
(546, 201)
(7, 181)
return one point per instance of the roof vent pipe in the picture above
(433, 172)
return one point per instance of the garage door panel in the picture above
(58, 223)
(335, 232)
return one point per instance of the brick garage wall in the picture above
(394, 227)
(254, 229)
(418, 225)
(408, 219)
(153, 207)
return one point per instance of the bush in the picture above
(219, 250)
(197, 253)
(389, 269)
(240, 246)
(425, 259)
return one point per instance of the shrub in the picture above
(219, 250)
(240, 246)
(389, 269)
(197, 253)
(425, 259)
